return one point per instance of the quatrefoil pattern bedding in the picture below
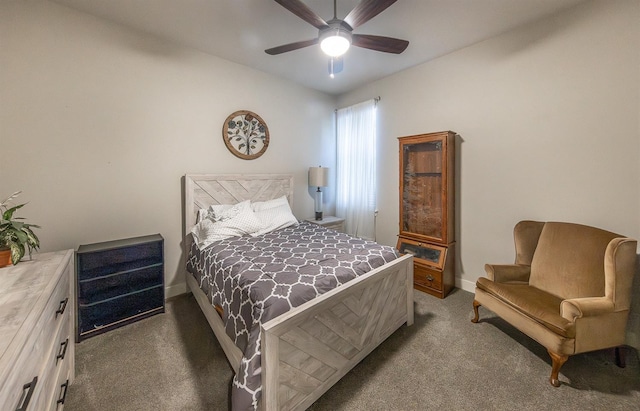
(255, 279)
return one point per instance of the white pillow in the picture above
(237, 221)
(202, 214)
(275, 218)
(265, 205)
(219, 212)
(214, 212)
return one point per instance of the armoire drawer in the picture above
(427, 277)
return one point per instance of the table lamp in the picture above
(318, 177)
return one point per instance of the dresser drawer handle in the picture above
(429, 278)
(62, 307)
(62, 351)
(63, 391)
(24, 402)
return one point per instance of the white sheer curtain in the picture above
(356, 168)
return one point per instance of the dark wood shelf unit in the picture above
(427, 229)
(118, 282)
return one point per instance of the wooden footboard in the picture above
(308, 349)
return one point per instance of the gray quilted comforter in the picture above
(255, 279)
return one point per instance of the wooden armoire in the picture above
(427, 215)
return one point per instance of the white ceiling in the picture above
(240, 31)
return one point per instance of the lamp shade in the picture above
(335, 45)
(335, 39)
(318, 176)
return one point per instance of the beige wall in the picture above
(548, 122)
(98, 124)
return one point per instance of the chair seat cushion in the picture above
(531, 302)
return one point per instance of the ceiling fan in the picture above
(336, 35)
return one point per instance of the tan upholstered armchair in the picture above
(569, 289)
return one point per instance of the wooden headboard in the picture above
(203, 190)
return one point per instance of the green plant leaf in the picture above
(33, 240)
(9, 212)
(17, 225)
(17, 252)
(11, 197)
(22, 236)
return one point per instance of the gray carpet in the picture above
(173, 362)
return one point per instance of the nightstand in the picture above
(329, 221)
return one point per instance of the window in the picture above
(356, 168)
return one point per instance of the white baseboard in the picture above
(175, 290)
(466, 285)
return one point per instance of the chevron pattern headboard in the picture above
(203, 190)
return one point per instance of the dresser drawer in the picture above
(24, 380)
(62, 386)
(60, 381)
(57, 319)
(58, 311)
(58, 358)
(427, 277)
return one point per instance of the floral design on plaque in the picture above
(245, 134)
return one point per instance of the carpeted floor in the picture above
(173, 362)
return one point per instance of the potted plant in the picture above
(15, 236)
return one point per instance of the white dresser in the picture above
(36, 332)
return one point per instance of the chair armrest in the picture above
(507, 272)
(585, 307)
(619, 269)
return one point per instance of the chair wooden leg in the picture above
(475, 310)
(620, 357)
(557, 362)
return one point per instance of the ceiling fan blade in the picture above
(291, 46)
(366, 10)
(379, 43)
(305, 13)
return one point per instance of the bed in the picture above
(298, 365)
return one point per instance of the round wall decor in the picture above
(245, 134)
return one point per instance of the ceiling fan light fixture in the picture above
(335, 42)
(335, 36)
